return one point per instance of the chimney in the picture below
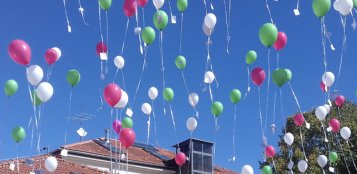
(107, 132)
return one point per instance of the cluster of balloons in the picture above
(327, 80)
(344, 6)
(124, 129)
(52, 55)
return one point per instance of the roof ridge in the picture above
(76, 144)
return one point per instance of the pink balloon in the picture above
(117, 126)
(339, 100)
(51, 56)
(180, 158)
(20, 52)
(322, 86)
(101, 48)
(129, 7)
(112, 94)
(127, 137)
(335, 124)
(142, 3)
(270, 151)
(258, 76)
(299, 119)
(280, 41)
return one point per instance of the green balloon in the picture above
(267, 170)
(37, 99)
(18, 134)
(250, 57)
(235, 96)
(10, 87)
(217, 108)
(168, 94)
(289, 75)
(182, 5)
(160, 19)
(333, 157)
(180, 62)
(105, 4)
(279, 77)
(321, 7)
(148, 35)
(354, 3)
(127, 123)
(268, 34)
(73, 77)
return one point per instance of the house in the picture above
(102, 155)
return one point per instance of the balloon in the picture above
(193, 99)
(101, 48)
(235, 96)
(59, 53)
(327, 108)
(105, 4)
(119, 62)
(44, 91)
(191, 124)
(153, 93)
(210, 20)
(112, 94)
(146, 108)
(354, 3)
(328, 78)
(322, 86)
(321, 7)
(333, 157)
(217, 108)
(289, 138)
(180, 158)
(270, 151)
(250, 57)
(209, 77)
(20, 52)
(343, 6)
(321, 112)
(73, 77)
(280, 41)
(51, 56)
(345, 133)
(142, 3)
(34, 75)
(129, 7)
(279, 77)
(288, 74)
(182, 5)
(206, 30)
(335, 124)
(267, 170)
(299, 119)
(322, 161)
(18, 133)
(10, 87)
(127, 123)
(127, 137)
(158, 3)
(51, 164)
(123, 100)
(258, 76)
(37, 100)
(148, 35)
(180, 62)
(340, 100)
(160, 19)
(168, 94)
(117, 126)
(268, 34)
(247, 169)
(302, 165)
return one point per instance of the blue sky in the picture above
(43, 25)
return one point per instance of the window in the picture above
(202, 158)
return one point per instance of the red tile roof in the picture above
(222, 170)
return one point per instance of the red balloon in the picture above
(101, 48)
(258, 76)
(280, 41)
(20, 52)
(335, 124)
(51, 56)
(142, 3)
(322, 86)
(180, 158)
(299, 119)
(339, 100)
(270, 151)
(112, 94)
(129, 7)
(127, 137)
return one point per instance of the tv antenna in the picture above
(81, 117)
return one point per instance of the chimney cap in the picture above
(106, 130)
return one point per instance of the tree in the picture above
(314, 142)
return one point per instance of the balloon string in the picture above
(127, 159)
(248, 90)
(143, 17)
(228, 37)
(65, 12)
(297, 6)
(69, 112)
(100, 95)
(274, 164)
(137, 26)
(188, 93)
(343, 153)
(273, 112)
(181, 31)
(302, 144)
(234, 132)
(339, 115)
(110, 144)
(141, 76)
(116, 141)
(173, 122)
(126, 30)
(170, 10)
(297, 102)
(277, 59)
(266, 106)
(282, 110)
(351, 155)
(204, 1)
(271, 19)
(162, 68)
(212, 5)
(49, 71)
(81, 10)
(260, 112)
(100, 24)
(17, 157)
(106, 62)
(343, 49)
(153, 113)
(147, 139)
(210, 92)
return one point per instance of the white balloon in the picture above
(153, 93)
(193, 99)
(328, 78)
(327, 107)
(302, 165)
(322, 160)
(210, 20)
(321, 113)
(119, 62)
(247, 169)
(289, 138)
(51, 164)
(146, 108)
(345, 133)
(123, 100)
(206, 30)
(343, 6)
(191, 124)
(209, 77)
(34, 75)
(59, 53)
(158, 3)
(44, 91)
